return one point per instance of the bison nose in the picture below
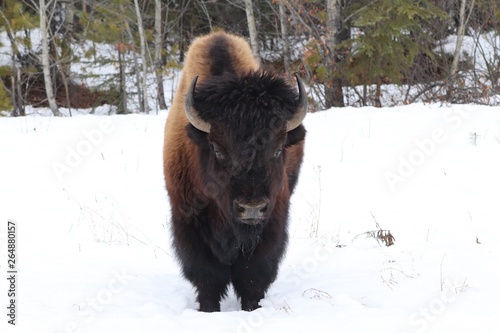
(251, 210)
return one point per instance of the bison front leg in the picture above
(210, 278)
(253, 273)
(208, 275)
(210, 291)
(251, 278)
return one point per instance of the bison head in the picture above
(243, 126)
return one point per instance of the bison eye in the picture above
(218, 152)
(278, 152)
(218, 155)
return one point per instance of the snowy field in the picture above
(94, 252)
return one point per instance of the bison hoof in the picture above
(250, 306)
(211, 307)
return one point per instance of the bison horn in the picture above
(191, 112)
(301, 111)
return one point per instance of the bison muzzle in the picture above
(233, 147)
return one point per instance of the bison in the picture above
(233, 148)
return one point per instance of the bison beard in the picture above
(232, 154)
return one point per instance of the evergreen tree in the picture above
(16, 18)
(5, 100)
(385, 45)
(107, 22)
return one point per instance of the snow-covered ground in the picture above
(88, 197)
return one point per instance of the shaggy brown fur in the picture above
(214, 245)
(179, 154)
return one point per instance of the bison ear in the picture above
(198, 137)
(295, 136)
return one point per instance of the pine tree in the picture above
(5, 100)
(385, 45)
(107, 23)
(14, 18)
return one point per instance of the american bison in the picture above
(233, 147)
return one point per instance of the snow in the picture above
(94, 251)
(483, 48)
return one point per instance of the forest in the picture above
(128, 53)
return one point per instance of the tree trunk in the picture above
(181, 29)
(460, 39)
(458, 48)
(252, 30)
(122, 104)
(284, 36)
(66, 52)
(160, 93)
(142, 40)
(136, 64)
(333, 90)
(378, 92)
(15, 91)
(46, 60)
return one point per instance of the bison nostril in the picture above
(239, 208)
(262, 207)
(251, 210)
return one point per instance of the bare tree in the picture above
(182, 37)
(122, 67)
(144, 83)
(333, 89)
(46, 59)
(122, 104)
(463, 20)
(158, 38)
(284, 35)
(65, 59)
(252, 29)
